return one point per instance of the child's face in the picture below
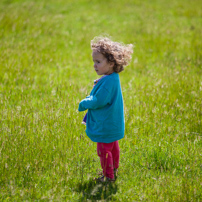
(101, 65)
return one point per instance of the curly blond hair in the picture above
(118, 53)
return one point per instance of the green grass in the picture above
(46, 69)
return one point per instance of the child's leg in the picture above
(116, 154)
(106, 159)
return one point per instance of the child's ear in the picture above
(111, 64)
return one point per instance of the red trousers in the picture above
(109, 157)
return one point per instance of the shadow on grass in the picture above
(96, 191)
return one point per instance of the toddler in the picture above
(105, 117)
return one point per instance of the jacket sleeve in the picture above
(99, 100)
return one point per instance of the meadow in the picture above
(46, 69)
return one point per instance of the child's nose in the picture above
(94, 65)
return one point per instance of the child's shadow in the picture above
(96, 191)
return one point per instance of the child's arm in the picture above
(99, 100)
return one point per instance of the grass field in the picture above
(46, 69)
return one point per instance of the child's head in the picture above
(116, 53)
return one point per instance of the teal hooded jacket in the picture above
(105, 117)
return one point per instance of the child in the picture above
(105, 117)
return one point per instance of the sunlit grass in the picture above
(46, 69)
